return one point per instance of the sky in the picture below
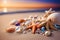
(44, 1)
(30, 3)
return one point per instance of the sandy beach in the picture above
(4, 23)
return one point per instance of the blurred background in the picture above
(28, 5)
(16, 9)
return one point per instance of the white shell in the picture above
(18, 29)
(28, 22)
(13, 21)
(47, 33)
(55, 18)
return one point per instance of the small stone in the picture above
(24, 32)
(38, 31)
(17, 24)
(43, 29)
(24, 27)
(57, 26)
(29, 30)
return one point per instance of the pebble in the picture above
(43, 29)
(57, 26)
(17, 24)
(29, 30)
(24, 32)
(38, 31)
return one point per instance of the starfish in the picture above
(48, 23)
(34, 26)
(49, 26)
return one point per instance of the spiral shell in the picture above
(55, 18)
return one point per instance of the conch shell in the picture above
(55, 18)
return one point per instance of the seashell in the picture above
(19, 29)
(55, 18)
(21, 20)
(13, 22)
(47, 33)
(30, 17)
(28, 22)
(10, 30)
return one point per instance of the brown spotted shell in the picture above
(10, 30)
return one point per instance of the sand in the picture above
(4, 23)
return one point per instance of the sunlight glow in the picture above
(4, 1)
(4, 9)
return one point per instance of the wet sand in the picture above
(4, 23)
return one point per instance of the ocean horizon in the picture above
(20, 10)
